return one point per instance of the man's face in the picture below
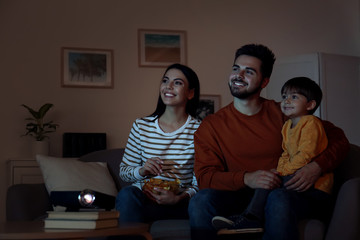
(246, 79)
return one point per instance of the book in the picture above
(91, 215)
(238, 231)
(80, 224)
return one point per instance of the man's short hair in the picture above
(263, 53)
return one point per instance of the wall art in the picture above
(87, 68)
(161, 48)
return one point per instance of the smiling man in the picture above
(237, 148)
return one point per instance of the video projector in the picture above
(86, 199)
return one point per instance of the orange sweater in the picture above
(228, 144)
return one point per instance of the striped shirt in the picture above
(175, 149)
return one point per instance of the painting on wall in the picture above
(87, 68)
(208, 104)
(160, 48)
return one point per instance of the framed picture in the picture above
(160, 48)
(208, 104)
(87, 68)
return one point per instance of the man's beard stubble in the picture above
(243, 94)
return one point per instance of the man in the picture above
(237, 148)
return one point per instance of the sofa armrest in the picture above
(348, 169)
(27, 202)
(345, 221)
(311, 229)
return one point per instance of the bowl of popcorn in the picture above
(150, 184)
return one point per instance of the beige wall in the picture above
(32, 33)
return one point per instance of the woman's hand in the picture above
(163, 196)
(262, 179)
(152, 167)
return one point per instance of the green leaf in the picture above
(44, 109)
(32, 112)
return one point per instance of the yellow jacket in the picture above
(301, 144)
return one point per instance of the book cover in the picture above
(80, 224)
(83, 215)
(238, 231)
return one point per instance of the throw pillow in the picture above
(70, 174)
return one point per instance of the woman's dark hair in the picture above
(194, 83)
(306, 87)
(266, 56)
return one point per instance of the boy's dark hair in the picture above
(306, 87)
(192, 104)
(266, 56)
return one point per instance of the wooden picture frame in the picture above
(208, 104)
(161, 48)
(87, 68)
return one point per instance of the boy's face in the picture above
(295, 105)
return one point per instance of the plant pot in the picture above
(40, 147)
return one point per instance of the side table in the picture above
(36, 230)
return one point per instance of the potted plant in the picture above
(37, 128)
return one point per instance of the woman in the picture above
(161, 146)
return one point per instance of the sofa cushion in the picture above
(113, 158)
(70, 174)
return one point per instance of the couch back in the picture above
(348, 169)
(31, 201)
(113, 159)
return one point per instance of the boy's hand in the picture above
(304, 178)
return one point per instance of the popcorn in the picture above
(150, 184)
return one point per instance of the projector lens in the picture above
(86, 198)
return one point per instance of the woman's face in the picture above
(174, 88)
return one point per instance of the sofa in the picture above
(31, 201)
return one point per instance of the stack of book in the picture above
(81, 220)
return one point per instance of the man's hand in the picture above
(262, 179)
(304, 178)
